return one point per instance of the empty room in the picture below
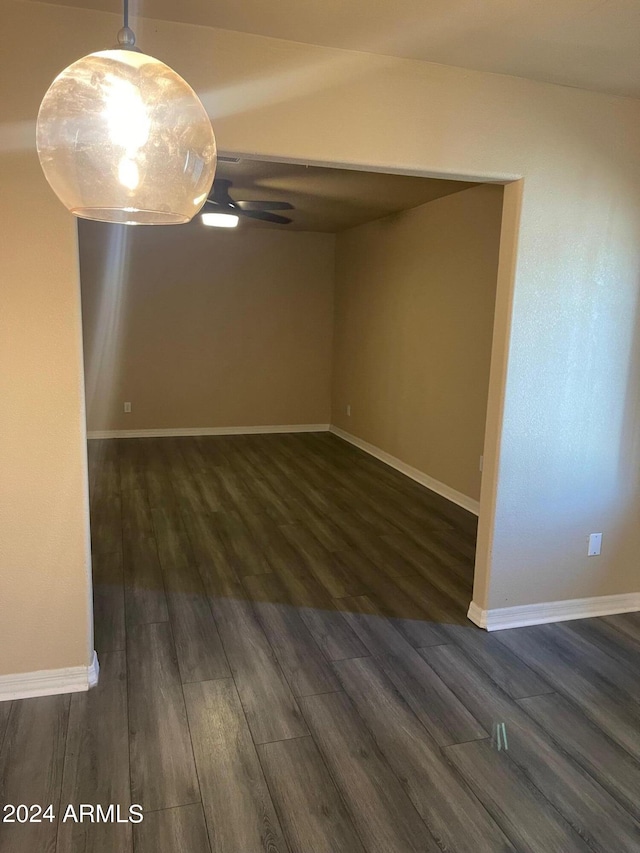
(319, 496)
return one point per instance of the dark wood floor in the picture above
(286, 665)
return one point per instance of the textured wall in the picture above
(204, 327)
(45, 614)
(415, 297)
(566, 458)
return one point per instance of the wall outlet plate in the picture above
(595, 544)
(127, 407)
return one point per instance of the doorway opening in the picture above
(373, 315)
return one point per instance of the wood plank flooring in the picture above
(287, 667)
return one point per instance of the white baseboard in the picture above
(553, 611)
(185, 431)
(424, 479)
(49, 682)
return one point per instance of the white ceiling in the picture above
(329, 199)
(592, 44)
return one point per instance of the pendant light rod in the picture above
(126, 36)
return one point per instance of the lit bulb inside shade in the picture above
(122, 138)
(220, 220)
(128, 173)
(126, 115)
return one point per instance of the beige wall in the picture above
(205, 327)
(45, 613)
(415, 296)
(565, 458)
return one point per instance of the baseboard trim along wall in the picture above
(185, 431)
(424, 479)
(49, 682)
(553, 611)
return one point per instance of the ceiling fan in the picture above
(222, 205)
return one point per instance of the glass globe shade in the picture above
(122, 138)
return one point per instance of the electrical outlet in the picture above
(595, 545)
(349, 410)
(127, 407)
(481, 462)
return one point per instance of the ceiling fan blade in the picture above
(227, 207)
(264, 205)
(264, 216)
(220, 192)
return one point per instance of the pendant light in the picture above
(122, 138)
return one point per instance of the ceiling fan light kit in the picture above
(221, 202)
(220, 220)
(122, 137)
